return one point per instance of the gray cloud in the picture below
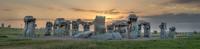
(182, 21)
(7, 9)
(84, 10)
(176, 18)
(110, 11)
(54, 8)
(187, 1)
(195, 3)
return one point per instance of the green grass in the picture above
(12, 42)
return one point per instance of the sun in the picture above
(107, 16)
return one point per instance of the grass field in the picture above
(9, 40)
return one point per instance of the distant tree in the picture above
(2, 25)
(9, 26)
(195, 32)
(155, 32)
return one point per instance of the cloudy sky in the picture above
(153, 10)
(17, 9)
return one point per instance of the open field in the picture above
(9, 39)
